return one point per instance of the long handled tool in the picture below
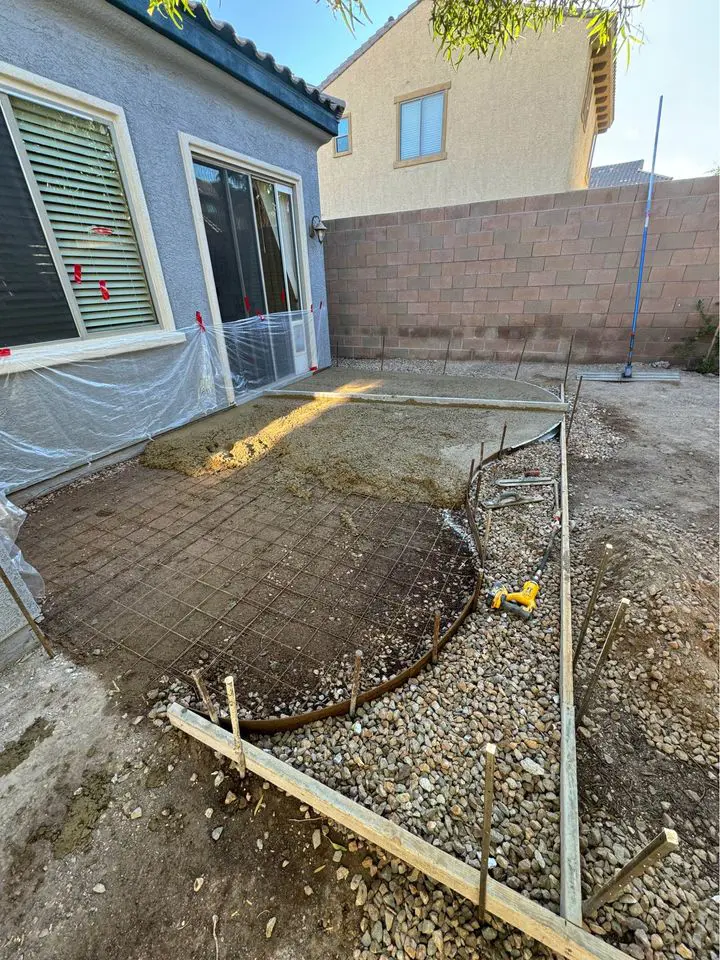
(521, 602)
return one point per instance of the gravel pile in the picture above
(591, 438)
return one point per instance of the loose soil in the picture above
(404, 454)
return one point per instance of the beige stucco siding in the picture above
(513, 123)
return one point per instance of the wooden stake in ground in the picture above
(522, 354)
(235, 724)
(604, 654)
(479, 474)
(490, 751)
(26, 613)
(436, 636)
(204, 695)
(604, 560)
(355, 682)
(664, 843)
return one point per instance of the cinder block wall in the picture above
(543, 268)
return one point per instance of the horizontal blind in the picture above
(410, 114)
(431, 126)
(74, 163)
(33, 307)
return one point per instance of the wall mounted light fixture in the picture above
(318, 229)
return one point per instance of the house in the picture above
(421, 133)
(622, 174)
(157, 190)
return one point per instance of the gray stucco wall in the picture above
(163, 89)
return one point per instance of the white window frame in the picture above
(193, 148)
(89, 344)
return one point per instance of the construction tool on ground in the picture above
(509, 498)
(525, 482)
(521, 603)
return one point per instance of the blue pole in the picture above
(627, 372)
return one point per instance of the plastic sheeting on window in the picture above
(57, 418)
(11, 519)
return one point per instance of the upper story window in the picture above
(343, 141)
(70, 263)
(422, 120)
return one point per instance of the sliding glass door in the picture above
(250, 229)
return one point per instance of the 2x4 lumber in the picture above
(570, 889)
(565, 939)
(549, 406)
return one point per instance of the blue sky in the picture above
(679, 59)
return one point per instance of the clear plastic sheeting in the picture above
(11, 519)
(266, 350)
(55, 418)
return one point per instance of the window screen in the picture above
(342, 140)
(421, 126)
(74, 163)
(33, 307)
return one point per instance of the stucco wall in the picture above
(512, 123)
(489, 275)
(163, 89)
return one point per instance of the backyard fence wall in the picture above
(490, 274)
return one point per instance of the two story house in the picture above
(418, 132)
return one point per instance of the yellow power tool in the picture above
(522, 602)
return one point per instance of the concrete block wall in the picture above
(492, 274)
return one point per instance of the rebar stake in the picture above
(355, 682)
(574, 408)
(567, 365)
(502, 440)
(382, 353)
(478, 589)
(490, 750)
(522, 354)
(436, 637)
(472, 471)
(235, 723)
(447, 353)
(604, 560)
(486, 536)
(604, 654)
(479, 475)
(204, 695)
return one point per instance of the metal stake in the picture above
(664, 843)
(567, 365)
(382, 353)
(574, 408)
(235, 723)
(355, 682)
(486, 537)
(604, 560)
(502, 440)
(478, 589)
(26, 613)
(436, 637)
(447, 353)
(604, 654)
(522, 354)
(490, 750)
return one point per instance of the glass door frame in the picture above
(192, 147)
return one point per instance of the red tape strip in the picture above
(247, 304)
(104, 292)
(199, 320)
(77, 273)
(5, 351)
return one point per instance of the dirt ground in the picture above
(74, 767)
(406, 454)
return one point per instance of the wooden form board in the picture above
(570, 889)
(549, 406)
(564, 938)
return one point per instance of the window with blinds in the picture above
(422, 126)
(74, 164)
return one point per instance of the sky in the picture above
(679, 59)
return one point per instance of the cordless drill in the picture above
(521, 602)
